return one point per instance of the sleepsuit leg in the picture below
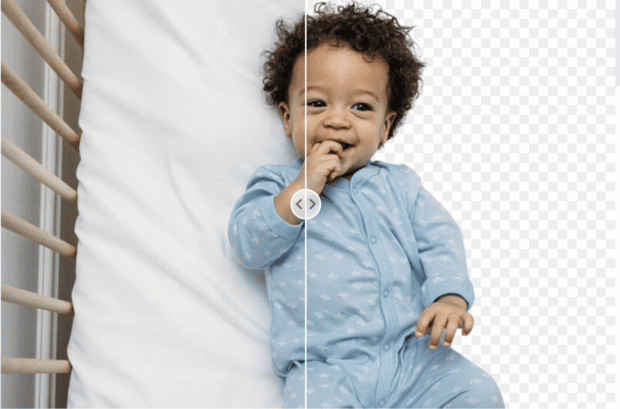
(441, 378)
(328, 387)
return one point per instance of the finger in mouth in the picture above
(344, 145)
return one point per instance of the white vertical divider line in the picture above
(616, 332)
(49, 216)
(617, 180)
(305, 207)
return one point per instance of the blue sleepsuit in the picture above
(380, 251)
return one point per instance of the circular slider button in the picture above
(305, 204)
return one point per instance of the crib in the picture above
(45, 384)
(178, 369)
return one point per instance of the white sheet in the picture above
(174, 122)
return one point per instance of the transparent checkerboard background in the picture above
(514, 134)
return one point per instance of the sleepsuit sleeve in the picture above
(441, 248)
(258, 235)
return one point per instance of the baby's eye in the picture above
(362, 107)
(316, 104)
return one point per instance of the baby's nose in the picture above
(336, 119)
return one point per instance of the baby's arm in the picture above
(447, 292)
(258, 235)
(262, 226)
(283, 201)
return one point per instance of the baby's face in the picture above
(347, 103)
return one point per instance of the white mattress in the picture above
(174, 122)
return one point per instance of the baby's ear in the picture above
(285, 113)
(387, 123)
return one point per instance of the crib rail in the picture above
(69, 20)
(27, 365)
(34, 37)
(30, 299)
(38, 171)
(38, 106)
(9, 150)
(32, 232)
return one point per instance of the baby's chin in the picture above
(347, 177)
(348, 174)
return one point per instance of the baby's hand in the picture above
(449, 312)
(324, 164)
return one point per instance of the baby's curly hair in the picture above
(372, 34)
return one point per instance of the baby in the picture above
(385, 260)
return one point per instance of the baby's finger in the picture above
(439, 323)
(468, 324)
(453, 325)
(318, 150)
(336, 171)
(423, 324)
(330, 147)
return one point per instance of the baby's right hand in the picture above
(324, 165)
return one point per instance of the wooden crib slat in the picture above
(27, 365)
(68, 20)
(32, 232)
(30, 299)
(38, 171)
(38, 106)
(34, 37)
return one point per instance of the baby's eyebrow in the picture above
(359, 92)
(303, 90)
(368, 92)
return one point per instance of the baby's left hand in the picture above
(449, 312)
